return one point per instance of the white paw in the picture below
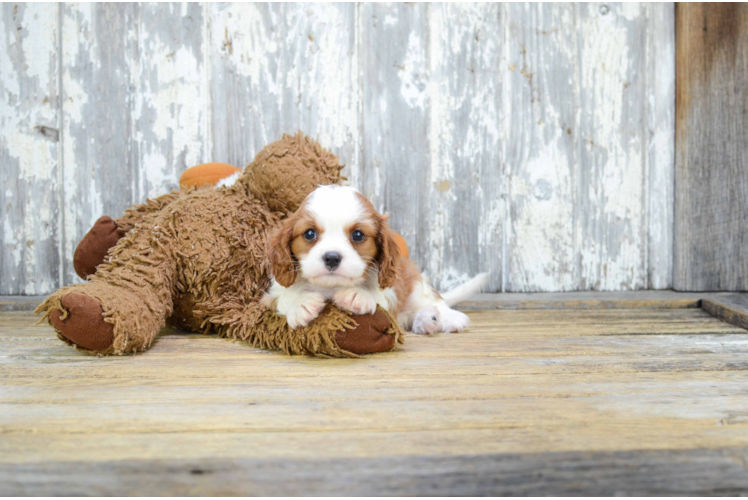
(451, 321)
(305, 310)
(355, 300)
(426, 320)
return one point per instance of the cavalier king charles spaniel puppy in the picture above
(338, 248)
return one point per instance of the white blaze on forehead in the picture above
(335, 207)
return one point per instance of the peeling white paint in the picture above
(173, 122)
(466, 104)
(36, 160)
(613, 150)
(239, 30)
(41, 28)
(294, 68)
(414, 84)
(540, 157)
(28, 123)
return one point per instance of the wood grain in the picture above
(711, 227)
(654, 394)
(30, 166)
(98, 54)
(660, 139)
(533, 142)
(279, 68)
(610, 209)
(463, 199)
(395, 148)
(731, 309)
(170, 102)
(541, 103)
(676, 472)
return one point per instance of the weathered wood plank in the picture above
(463, 195)
(566, 301)
(648, 473)
(541, 100)
(731, 309)
(660, 142)
(29, 149)
(171, 96)
(552, 386)
(395, 147)
(278, 68)
(711, 224)
(669, 433)
(610, 210)
(98, 57)
(648, 299)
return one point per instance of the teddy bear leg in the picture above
(106, 318)
(334, 333)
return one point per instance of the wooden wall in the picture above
(533, 141)
(711, 227)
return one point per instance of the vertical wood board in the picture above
(540, 103)
(29, 149)
(98, 54)
(711, 224)
(660, 143)
(280, 68)
(464, 201)
(610, 208)
(170, 101)
(395, 147)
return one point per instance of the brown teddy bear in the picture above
(198, 259)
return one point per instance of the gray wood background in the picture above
(711, 226)
(533, 141)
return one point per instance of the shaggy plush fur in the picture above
(200, 258)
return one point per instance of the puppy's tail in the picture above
(466, 290)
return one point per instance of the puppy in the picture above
(337, 248)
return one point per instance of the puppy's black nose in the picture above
(332, 260)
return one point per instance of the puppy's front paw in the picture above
(305, 310)
(355, 300)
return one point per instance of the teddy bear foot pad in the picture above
(84, 325)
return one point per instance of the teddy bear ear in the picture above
(280, 255)
(286, 171)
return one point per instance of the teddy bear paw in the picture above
(369, 334)
(84, 325)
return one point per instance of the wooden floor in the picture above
(527, 402)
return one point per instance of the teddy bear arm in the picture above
(106, 232)
(335, 333)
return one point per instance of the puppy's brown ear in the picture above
(387, 254)
(279, 253)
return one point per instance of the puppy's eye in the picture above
(310, 235)
(357, 236)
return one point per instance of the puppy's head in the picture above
(335, 239)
